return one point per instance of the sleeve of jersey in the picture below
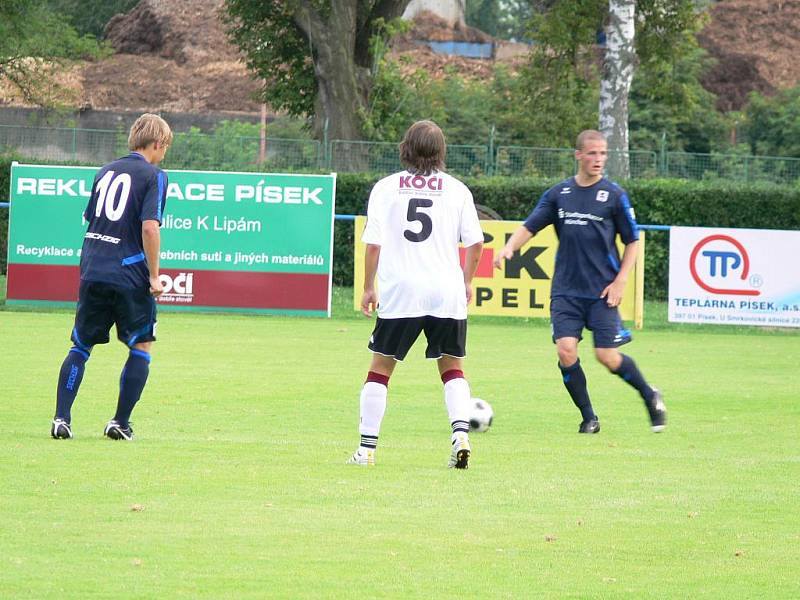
(471, 232)
(372, 231)
(155, 198)
(542, 214)
(625, 220)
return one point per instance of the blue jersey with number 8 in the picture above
(125, 193)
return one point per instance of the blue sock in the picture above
(69, 380)
(575, 382)
(631, 374)
(131, 384)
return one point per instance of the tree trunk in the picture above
(340, 94)
(618, 67)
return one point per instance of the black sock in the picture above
(131, 384)
(575, 382)
(69, 380)
(631, 374)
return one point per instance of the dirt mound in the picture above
(171, 55)
(756, 44)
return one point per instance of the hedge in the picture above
(656, 201)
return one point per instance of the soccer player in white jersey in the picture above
(415, 221)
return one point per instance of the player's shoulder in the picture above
(612, 187)
(135, 164)
(389, 182)
(562, 187)
(453, 182)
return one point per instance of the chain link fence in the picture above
(203, 151)
(347, 156)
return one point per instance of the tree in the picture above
(313, 55)
(34, 44)
(567, 88)
(615, 84)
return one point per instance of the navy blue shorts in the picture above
(101, 305)
(569, 315)
(394, 337)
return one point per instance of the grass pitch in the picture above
(236, 487)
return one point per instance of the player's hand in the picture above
(156, 289)
(503, 254)
(468, 290)
(369, 302)
(613, 293)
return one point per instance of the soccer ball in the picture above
(480, 415)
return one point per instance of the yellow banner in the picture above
(521, 288)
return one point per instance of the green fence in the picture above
(195, 150)
(347, 156)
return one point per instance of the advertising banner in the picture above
(522, 287)
(734, 276)
(257, 242)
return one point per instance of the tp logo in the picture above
(181, 284)
(724, 260)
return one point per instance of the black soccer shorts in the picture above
(569, 315)
(101, 305)
(394, 337)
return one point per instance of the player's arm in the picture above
(369, 300)
(151, 241)
(517, 240)
(471, 259)
(613, 291)
(625, 224)
(542, 215)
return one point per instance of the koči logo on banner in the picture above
(720, 265)
(178, 289)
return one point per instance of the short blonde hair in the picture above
(586, 135)
(147, 129)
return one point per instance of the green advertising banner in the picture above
(230, 241)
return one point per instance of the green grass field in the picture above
(236, 486)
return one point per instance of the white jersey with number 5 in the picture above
(418, 222)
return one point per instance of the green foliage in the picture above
(399, 95)
(34, 44)
(772, 125)
(558, 92)
(90, 16)
(235, 146)
(504, 19)
(559, 84)
(277, 50)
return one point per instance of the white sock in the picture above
(373, 407)
(457, 398)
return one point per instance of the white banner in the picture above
(734, 276)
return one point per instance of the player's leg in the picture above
(608, 336)
(447, 341)
(567, 318)
(136, 325)
(390, 342)
(93, 319)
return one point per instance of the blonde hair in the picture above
(423, 148)
(147, 129)
(586, 135)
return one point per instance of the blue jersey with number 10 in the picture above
(125, 193)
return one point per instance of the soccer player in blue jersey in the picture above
(588, 212)
(119, 273)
